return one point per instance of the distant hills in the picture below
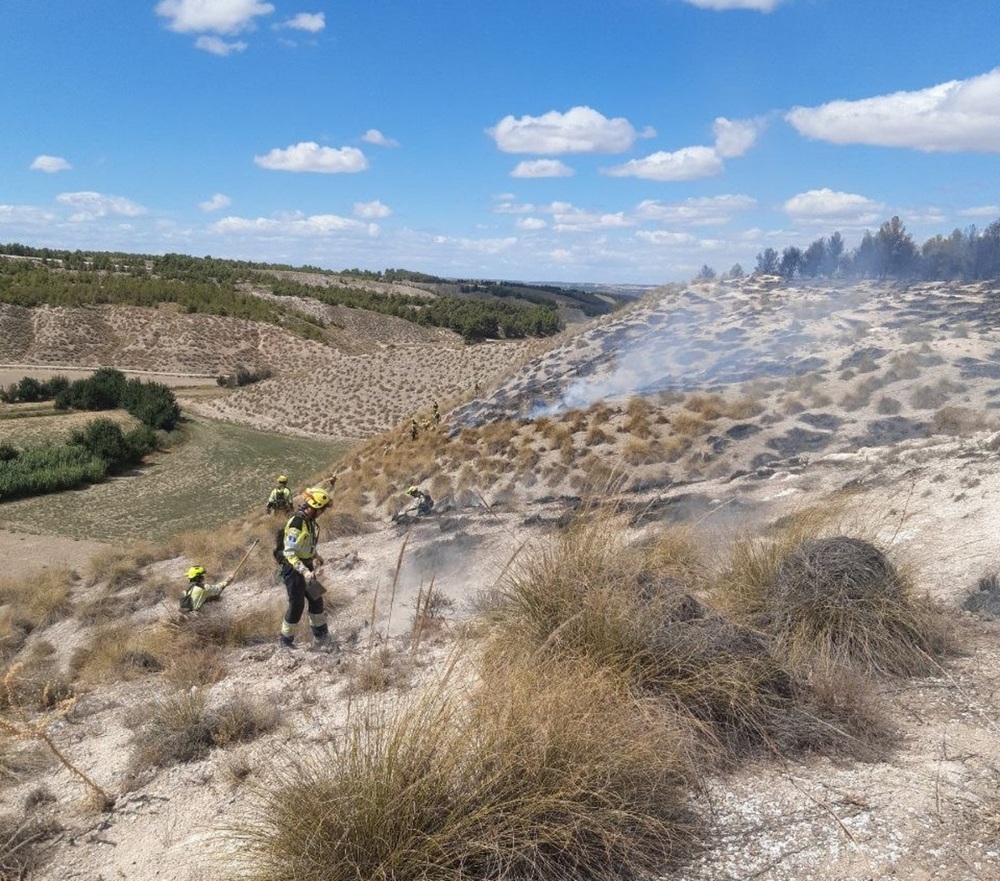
(477, 309)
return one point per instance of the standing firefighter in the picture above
(281, 496)
(198, 592)
(299, 557)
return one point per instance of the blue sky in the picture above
(626, 141)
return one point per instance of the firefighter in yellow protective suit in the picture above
(281, 496)
(301, 536)
(198, 593)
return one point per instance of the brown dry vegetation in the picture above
(599, 707)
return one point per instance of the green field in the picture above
(218, 472)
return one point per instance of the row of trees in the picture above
(98, 449)
(476, 319)
(152, 403)
(101, 447)
(890, 252)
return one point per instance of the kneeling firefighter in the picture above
(301, 535)
(198, 593)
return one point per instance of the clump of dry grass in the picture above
(39, 683)
(936, 395)
(832, 599)
(181, 728)
(861, 395)
(543, 773)
(120, 651)
(20, 840)
(959, 421)
(629, 610)
(714, 406)
(377, 671)
(30, 604)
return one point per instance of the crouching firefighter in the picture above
(301, 536)
(198, 592)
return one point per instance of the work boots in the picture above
(322, 641)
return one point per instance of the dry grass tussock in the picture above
(828, 598)
(182, 727)
(641, 613)
(21, 841)
(552, 773)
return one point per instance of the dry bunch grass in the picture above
(181, 728)
(832, 599)
(629, 610)
(20, 838)
(380, 670)
(119, 650)
(543, 773)
(31, 606)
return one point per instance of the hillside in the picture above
(726, 408)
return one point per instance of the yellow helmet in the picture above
(282, 478)
(195, 572)
(412, 491)
(316, 497)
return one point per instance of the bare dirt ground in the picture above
(888, 393)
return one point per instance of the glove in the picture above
(301, 569)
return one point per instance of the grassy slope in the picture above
(220, 471)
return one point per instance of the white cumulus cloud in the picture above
(308, 156)
(688, 163)
(991, 211)
(733, 137)
(93, 206)
(959, 115)
(374, 136)
(296, 225)
(829, 206)
(578, 130)
(216, 16)
(568, 218)
(530, 223)
(699, 211)
(664, 237)
(313, 22)
(50, 164)
(371, 209)
(26, 215)
(216, 203)
(542, 168)
(218, 46)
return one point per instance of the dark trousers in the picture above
(295, 587)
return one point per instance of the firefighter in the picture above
(198, 592)
(281, 496)
(423, 500)
(301, 536)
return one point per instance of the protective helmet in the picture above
(282, 478)
(195, 572)
(316, 497)
(412, 491)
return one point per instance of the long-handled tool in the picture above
(239, 565)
